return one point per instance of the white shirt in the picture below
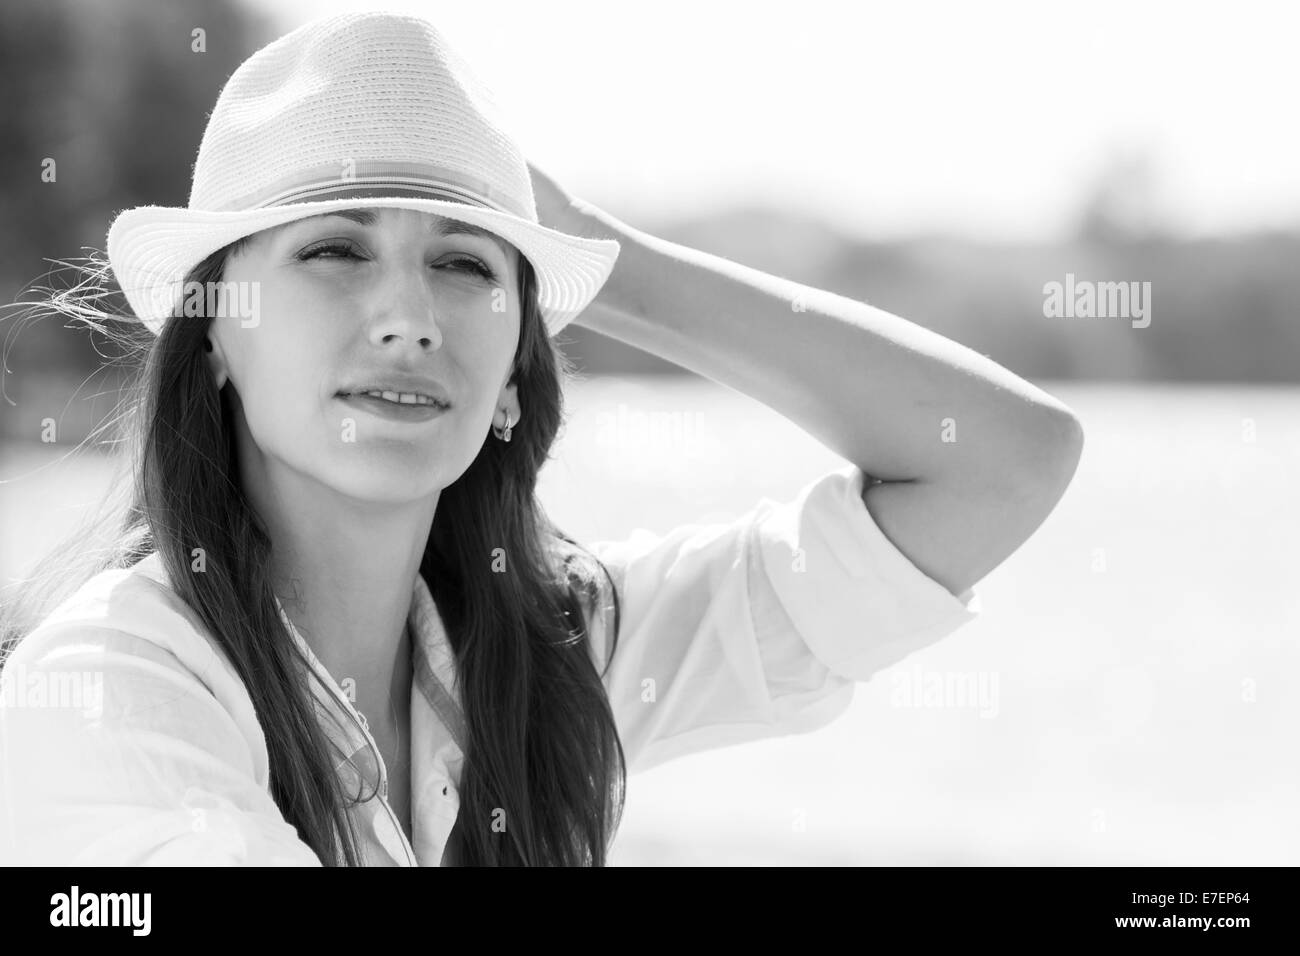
(127, 738)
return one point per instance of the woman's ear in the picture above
(507, 402)
(216, 361)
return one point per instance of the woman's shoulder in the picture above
(129, 611)
(121, 726)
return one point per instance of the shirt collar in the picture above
(435, 663)
(434, 677)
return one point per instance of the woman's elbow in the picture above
(1051, 456)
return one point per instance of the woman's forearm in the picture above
(901, 402)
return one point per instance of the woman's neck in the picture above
(344, 571)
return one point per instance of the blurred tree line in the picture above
(116, 95)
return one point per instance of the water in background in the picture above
(1144, 640)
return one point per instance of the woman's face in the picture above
(378, 299)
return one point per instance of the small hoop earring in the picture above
(505, 435)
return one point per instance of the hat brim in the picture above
(151, 249)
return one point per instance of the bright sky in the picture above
(986, 119)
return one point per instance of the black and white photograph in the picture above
(682, 434)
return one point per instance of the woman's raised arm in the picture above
(966, 458)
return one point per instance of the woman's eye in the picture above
(466, 264)
(339, 250)
(335, 250)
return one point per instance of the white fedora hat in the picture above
(360, 109)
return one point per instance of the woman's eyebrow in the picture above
(454, 227)
(363, 216)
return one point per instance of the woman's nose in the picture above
(406, 311)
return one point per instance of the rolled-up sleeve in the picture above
(114, 753)
(759, 627)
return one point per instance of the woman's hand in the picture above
(559, 209)
(555, 205)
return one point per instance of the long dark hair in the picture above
(541, 746)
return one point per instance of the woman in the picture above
(337, 628)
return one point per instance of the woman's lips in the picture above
(393, 411)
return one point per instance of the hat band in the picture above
(380, 180)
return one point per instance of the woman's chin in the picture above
(387, 486)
